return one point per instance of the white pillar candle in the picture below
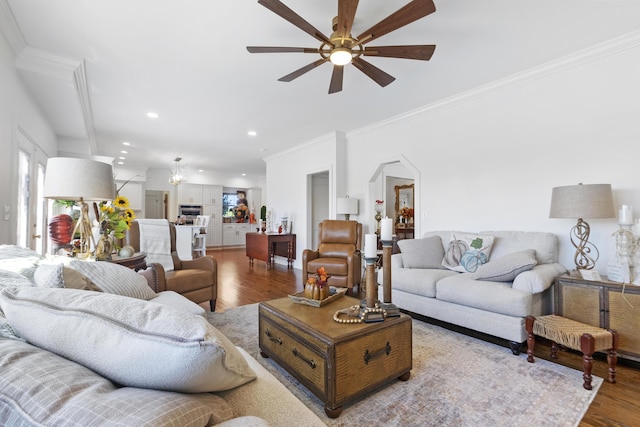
(370, 245)
(625, 215)
(386, 227)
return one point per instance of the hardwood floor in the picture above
(239, 283)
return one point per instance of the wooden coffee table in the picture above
(337, 362)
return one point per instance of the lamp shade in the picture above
(347, 206)
(582, 201)
(68, 178)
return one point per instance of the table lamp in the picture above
(579, 202)
(347, 206)
(80, 180)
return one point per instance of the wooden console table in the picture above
(265, 246)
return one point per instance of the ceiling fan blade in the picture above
(284, 12)
(346, 15)
(336, 79)
(422, 51)
(407, 14)
(301, 71)
(375, 73)
(269, 49)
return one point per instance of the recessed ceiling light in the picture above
(122, 158)
(126, 143)
(124, 151)
(252, 133)
(200, 170)
(244, 174)
(152, 115)
(121, 163)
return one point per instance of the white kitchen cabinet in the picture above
(212, 195)
(214, 210)
(190, 194)
(235, 234)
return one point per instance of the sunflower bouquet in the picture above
(115, 216)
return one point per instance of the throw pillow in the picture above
(61, 276)
(49, 276)
(506, 268)
(129, 341)
(422, 253)
(114, 278)
(466, 252)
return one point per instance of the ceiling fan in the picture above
(342, 48)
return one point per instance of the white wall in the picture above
(288, 184)
(489, 159)
(17, 110)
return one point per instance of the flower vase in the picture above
(104, 247)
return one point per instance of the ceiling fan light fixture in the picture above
(340, 56)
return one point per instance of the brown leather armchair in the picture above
(195, 279)
(338, 252)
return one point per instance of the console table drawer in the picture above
(294, 354)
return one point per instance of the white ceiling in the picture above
(96, 68)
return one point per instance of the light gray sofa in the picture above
(517, 277)
(60, 350)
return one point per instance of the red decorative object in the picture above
(60, 229)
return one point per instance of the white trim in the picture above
(619, 44)
(10, 29)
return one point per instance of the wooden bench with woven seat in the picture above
(576, 336)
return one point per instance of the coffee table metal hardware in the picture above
(278, 340)
(372, 355)
(308, 361)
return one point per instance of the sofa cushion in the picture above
(506, 268)
(129, 341)
(19, 260)
(61, 276)
(427, 252)
(544, 243)
(114, 279)
(11, 278)
(41, 388)
(466, 252)
(419, 281)
(179, 302)
(497, 297)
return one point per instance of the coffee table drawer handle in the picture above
(370, 355)
(309, 362)
(268, 334)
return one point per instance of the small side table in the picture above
(136, 262)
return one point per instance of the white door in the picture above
(31, 212)
(154, 204)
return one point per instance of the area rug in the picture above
(456, 380)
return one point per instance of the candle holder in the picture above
(369, 309)
(371, 285)
(391, 309)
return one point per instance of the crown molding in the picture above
(10, 28)
(616, 45)
(66, 68)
